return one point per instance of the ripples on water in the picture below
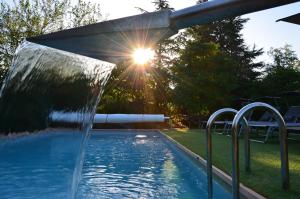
(124, 165)
(38, 166)
(116, 165)
(42, 80)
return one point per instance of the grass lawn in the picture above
(265, 177)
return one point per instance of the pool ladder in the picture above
(240, 115)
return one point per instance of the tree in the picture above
(283, 57)
(227, 34)
(162, 63)
(164, 48)
(27, 105)
(162, 5)
(203, 79)
(29, 18)
(283, 73)
(137, 89)
(141, 89)
(214, 67)
(84, 13)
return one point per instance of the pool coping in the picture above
(244, 190)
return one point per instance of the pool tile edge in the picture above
(245, 191)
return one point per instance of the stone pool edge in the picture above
(244, 190)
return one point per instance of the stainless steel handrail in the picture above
(235, 146)
(210, 122)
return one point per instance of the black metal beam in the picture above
(216, 10)
(295, 19)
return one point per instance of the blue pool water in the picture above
(116, 165)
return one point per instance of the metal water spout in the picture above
(115, 40)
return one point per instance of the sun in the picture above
(142, 56)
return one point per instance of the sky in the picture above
(261, 30)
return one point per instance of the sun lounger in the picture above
(291, 118)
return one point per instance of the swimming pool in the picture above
(116, 165)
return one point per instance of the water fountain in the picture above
(43, 79)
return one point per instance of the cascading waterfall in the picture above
(42, 80)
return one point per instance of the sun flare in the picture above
(143, 55)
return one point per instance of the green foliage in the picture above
(84, 13)
(283, 74)
(227, 34)
(164, 48)
(162, 5)
(200, 70)
(28, 18)
(214, 67)
(203, 78)
(142, 89)
(283, 57)
(27, 106)
(136, 89)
